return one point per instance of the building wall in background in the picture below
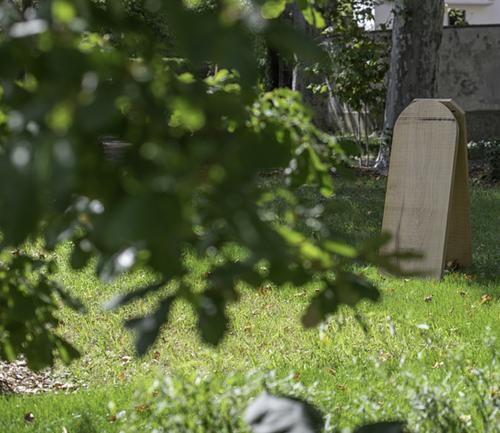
(469, 73)
(478, 12)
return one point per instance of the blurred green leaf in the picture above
(311, 14)
(137, 132)
(273, 8)
(29, 306)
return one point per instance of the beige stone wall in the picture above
(470, 67)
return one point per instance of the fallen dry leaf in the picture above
(264, 290)
(485, 298)
(140, 408)
(17, 378)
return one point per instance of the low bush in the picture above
(204, 404)
(489, 152)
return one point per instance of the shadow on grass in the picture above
(485, 203)
(85, 425)
(356, 213)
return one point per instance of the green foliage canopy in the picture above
(359, 59)
(81, 73)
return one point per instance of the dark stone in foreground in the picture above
(272, 414)
(275, 414)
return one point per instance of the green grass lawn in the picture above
(422, 332)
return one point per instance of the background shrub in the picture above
(489, 152)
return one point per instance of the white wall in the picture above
(383, 14)
(488, 12)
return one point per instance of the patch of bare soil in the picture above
(17, 378)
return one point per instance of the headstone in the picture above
(427, 200)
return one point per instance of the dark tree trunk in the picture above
(298, 21)
(416, 38)
(301, 79)
(274, 68)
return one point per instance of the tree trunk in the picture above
(298, 77)
(416, 38)
(274, 68)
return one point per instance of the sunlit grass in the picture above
(418, 327)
